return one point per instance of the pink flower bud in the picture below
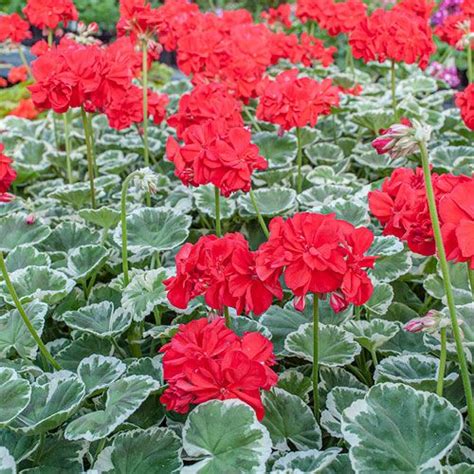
(6, 197)
(429, 323)
(30, 219)
(338, 302)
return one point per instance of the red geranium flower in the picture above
(14, 28)
(453, 30)
(280, 15)
(18, 74)
(7, 173)
(49, 13)
(137, 18)
(25, 109)
(421, 8)
(465, 102)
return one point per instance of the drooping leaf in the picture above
(15, 394)
(84, 261)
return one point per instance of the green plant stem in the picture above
(299, 161)
(24, 61)
(470, 274)
(259, 216)
(315, 374)
(90, 158)
(447, 285)
(218, 211)
(11, 289)
(123, 220)
(212, 6)
(470, 76)
(252, 119)
(393, 84)
(67, 140)
(145, 101)
(92, 140)
(227, 317)
(373, 354)
(50, 37)
(442, 363)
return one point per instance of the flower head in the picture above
(7, 173)
(14, 28)
(49, 13)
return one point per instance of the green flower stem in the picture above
(24, 61)
(373, 354)
(442, 363)
(299, 161)
(227, 317)
(470, 76)
(90, 157)
(11, 289)
(315, 375)
(218, 211)
(252, 119)
(67, 139)
(393, 84)
(92, 139)
(470, 274)
(447, 285)
(145, 101)
(259, 216)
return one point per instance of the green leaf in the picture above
(26, 256)
(332, 377)
(147, 366)
(319, 153)
(418, 371)
(224, 435)
(69, 235)
(154, 230)
(385, 246)
(380, 301)
(205, 202)
(97, 372)
(15, 394)
(392, 267)
(296, 383)
(20, 446)
(82, 262)
(54, 398)
(144, 293)
(397, 428)
(374, 121)
(336, 346)
(101, 320)
(306, 462)
(16, 232)
(7, 462)
(270, 202)
(146, 451)
(106, 217)
(14, 335)
(38, 283)
(353, 211)
(123, 398)
(372, 334)
(341, 465)
(77, 195)
(278, 151)
(338, 399)
(290, 420)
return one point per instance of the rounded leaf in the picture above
(15, 394)
(16, 232)
(270, 202)
(306, 462)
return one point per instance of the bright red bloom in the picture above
(318, 254)
(465, 102)
(467, 6)
(456, 210)
(206, 361)
(25, 109)
(18, 74)
(39, 48)
(453, 29)
(49, 13)
(421, 8)
(7, 173)
(280, 15)
(137, 19)
(396, 34)
(3, 82)
(291, 102)
(14, 28)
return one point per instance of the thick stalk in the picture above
(227, 317)
(50, 37)
(393, 84)
(146, 152)
(90, 158)
(24, 61)
(67, 140)
(92, 141)
(299, 161)
(442, 363)
(315, 355)
(447, 285)
(11, 289)
(218, 211)
(470, 76)
(259, 216)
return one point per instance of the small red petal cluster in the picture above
(14, 28)
(207, 361)
(100, 79)
(402, 209)
(7, 176)
(49, 13)
(421, 8)
(452, 30)
(229, 48)
(137, 19)
(319, 254)
(17, 74)
(278, 16)
(25, 109)
(291, 102)
(467, 6)
(332, 16)
(465, 102)
(223, 270)
(398, 34)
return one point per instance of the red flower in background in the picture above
(49, 13)
(318, 254)
(39, 48)
(291, 102)
(17, 74)
(137, 19)
(280, 15)
(465, 102)
(453, 30)
(206, 361)
(421, 8)
(25, 109)
(467, 6)
(7, 173)
(14, 28)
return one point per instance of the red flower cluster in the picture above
(223, 270)
(49, 13)
(467, 6)
(207, 361)
(422, 8)
(290, 101)
(137, 19)
(17, 74)
(319, 254)
(335, 17)
(14, 28)
(397, 34)
(402, 209)
(278, 16)
(465, 102)
(454, 28)
(100, 79)
(7, 176)
(25, 109)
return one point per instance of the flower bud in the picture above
(30, 219)
(146, 179)
(431, 323)
(6, 197)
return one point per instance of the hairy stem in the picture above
(259, 216)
